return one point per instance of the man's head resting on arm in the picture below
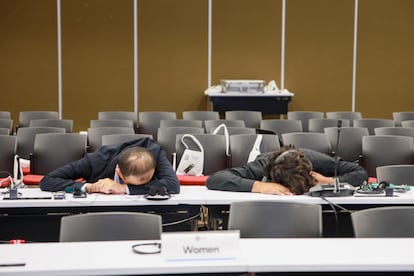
(136, 165)
(290, 168)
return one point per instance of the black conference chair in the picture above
(304, 117)
(371, 124)
(210, 124)
(382, 150)
(26, 116)
(276, 219)
(112, 139)
(181, 123)
(53, 150)
(279, 126)
(347, 115)
(350, 141)
(95, 135)
(384, 222)
(108, 226)
(111, 123)
(167, 138)
(215, 158)
(310, 140)
(7, 123)
(396, 174)
(400, 116)
(201, 115)
(7, 152)
(150, 121)
(318, 125)
(64, 123)
(251, 118)
(119, 115)
(242, 144)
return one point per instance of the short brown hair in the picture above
(128, 158)
(291, 168)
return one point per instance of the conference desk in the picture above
(18, 218)
(267, 103)
(347, 255)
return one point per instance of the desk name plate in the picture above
(201, 246)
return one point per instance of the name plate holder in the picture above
(201, 246)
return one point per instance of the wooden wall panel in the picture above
(28, 56)
(172, 55)
(319, 47)
(246, 40)
(386, 60)
(97, 58)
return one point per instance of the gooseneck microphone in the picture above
(336, 183)
(337, 189)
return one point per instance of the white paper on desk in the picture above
(201, 246)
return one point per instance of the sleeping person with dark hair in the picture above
(288, 171)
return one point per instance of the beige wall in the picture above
(97, 54)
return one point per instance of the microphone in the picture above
(337, 189)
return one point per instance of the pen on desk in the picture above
(12, 264)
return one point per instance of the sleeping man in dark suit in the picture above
(129, 168)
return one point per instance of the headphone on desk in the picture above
(157, 193)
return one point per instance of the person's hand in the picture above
(270, 188)
(106, 186)
(321, 179)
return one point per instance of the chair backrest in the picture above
(107, 226)
(310, 140)
(407, 123)
(235, 130)
(112, 139)
(201, 115)
(402, 131)
(53, 150)
(304, 116)
(347, 115)
(65, 123)
(119, 115)
(318, 125)
(384, 222)
(4, 131)
(276, 219)
(398, 117)
(350, 141)
(396, 174)
(209, 124)
(5, 115)
(251, 118)
(381, 150)
(181, 123)
(166, 137)
(26, 116)
(214, 151)
(371, 124)
(8, 145)
(242, 144)
(7, 123)
(111, 123)
(280, 126)
(95, 135)
(26, 138)
(149, 121)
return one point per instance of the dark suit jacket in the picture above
(101, 164)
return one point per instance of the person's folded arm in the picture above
(351, 173)
(66, 177)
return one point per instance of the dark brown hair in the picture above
(291, 168)
(136, 161)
